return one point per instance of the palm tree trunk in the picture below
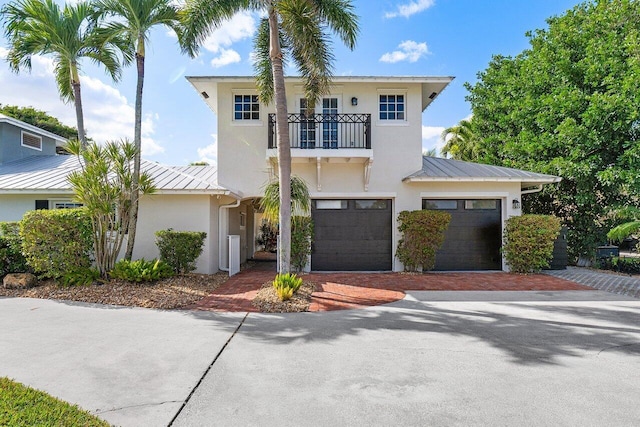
(137, 140)
(284, 145)
(77, 97)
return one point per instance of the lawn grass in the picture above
(25, 406)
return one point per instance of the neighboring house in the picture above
(36, 178)
(359, 149)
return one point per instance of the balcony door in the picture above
(328, 137)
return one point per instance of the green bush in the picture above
(11, 258)
(57, 241)
(84, 276)
(141, 270)
(528, 242)
(286, 285)
(422, 235)
(301, 233)
(621, 265)
(180, 249)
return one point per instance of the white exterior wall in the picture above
(396, 145)
(182, 213)
(192, 212)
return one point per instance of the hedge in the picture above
(57, 241)
(11, 258)
(423, 234)
(528, 242)
(180, 249)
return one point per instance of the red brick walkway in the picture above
(339, 291)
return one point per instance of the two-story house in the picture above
(360, 151)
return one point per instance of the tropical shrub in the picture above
(422, 235)
(141, 270)
(528, 242)
(180, 249)
(268, 237)
(105, 188)
(286, 285)
(301, 234)
(57, 241)
(11, 258)
(621, 265)
(84, 276)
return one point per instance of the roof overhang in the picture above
(524, 182)
(207, 86)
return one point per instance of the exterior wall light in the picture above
(354, 101)
(515, 204)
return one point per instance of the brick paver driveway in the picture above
(338, 291)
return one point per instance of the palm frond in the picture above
(201, 17)
(339, 15)
(300, 199)
(622, 231)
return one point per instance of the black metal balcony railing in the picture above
(329, 131)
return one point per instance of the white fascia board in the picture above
(31, 128)
(485, 179)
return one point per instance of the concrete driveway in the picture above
(434, 358)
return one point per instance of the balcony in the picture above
(326, 138)
(325, 131)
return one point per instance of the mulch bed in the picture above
(173, 293)
(267, 300)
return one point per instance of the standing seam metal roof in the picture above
(434, 169)
(50, 173)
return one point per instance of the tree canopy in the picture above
(570, 106)
(39, 119)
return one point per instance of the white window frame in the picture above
(245, 122)
(53, 202)
(23, 133)
(392, 122)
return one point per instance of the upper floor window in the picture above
(392, 107)
(32, 141)
(246, 107)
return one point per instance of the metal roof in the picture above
(438, 169)
(38, 174)
(31, 128)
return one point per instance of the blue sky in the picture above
(405, 37)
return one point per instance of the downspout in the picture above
(221, 242)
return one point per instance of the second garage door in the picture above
(474, 236)
(351, 235)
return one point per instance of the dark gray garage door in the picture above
(474, 237)
(351, 235)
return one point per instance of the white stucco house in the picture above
(360, 151)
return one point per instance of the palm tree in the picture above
(462, 143)
(294, 30)
(41, 27)
(133, 21)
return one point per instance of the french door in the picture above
(310, 136)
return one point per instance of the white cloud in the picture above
(226, 57)
(209, 153)
(410, 8)
(107, 113)
(241, 26)
(431, 138)
(409, 50)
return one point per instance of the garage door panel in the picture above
(473, 240)
(352, 239)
